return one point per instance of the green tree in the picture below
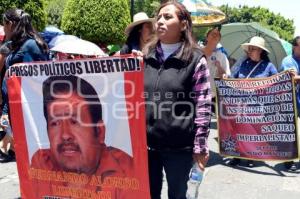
(36, 9)
(199, 33)
(97, 21)
(55, 9)
(283, 27)
(147, 6)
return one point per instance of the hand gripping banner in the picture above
(79, 128)
(257, 118)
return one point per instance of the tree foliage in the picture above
(36, 9)
(98, 21)
(55, 9)
(147, 6)
(283, 27)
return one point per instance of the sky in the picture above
(289, 9)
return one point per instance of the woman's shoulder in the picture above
(268, 64)
(197, 51)
(32, 51)
(31, 46)
(271, 66)
(30, 43)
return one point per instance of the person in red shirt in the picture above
(76, 134)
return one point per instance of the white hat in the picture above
(138, 18)
(256, 41)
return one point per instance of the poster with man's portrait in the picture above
(79, 128)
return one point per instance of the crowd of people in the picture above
(174, 62)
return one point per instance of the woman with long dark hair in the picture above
(25, 46)
(178, 101)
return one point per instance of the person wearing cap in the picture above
(138, 33)
(256, 64)
(293, 62)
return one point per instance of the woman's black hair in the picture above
(264, 56)
(132, 39)
(134, 35)
(22, 29)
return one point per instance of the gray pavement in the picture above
(267, 180)
(9, 181)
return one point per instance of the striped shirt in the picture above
(203, 106)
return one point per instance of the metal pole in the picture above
(131, 9)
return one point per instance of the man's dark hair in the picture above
(294, 41)
(56, 85)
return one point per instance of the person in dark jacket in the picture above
(139, 32)
(178, 102)
(25, 46)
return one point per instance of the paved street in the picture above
(9, 181)
(267, 180)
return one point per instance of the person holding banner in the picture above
(25, 46)
(76, 132)
(139, 32)
(256, 64)
(178, 101)
(292, 62)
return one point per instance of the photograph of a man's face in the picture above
(75, 128)
(75, 145)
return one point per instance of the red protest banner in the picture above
(79, 128)
(257, 118)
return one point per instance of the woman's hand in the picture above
(201, 159)
(293, 73)
(137, 53)
(224, 76)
